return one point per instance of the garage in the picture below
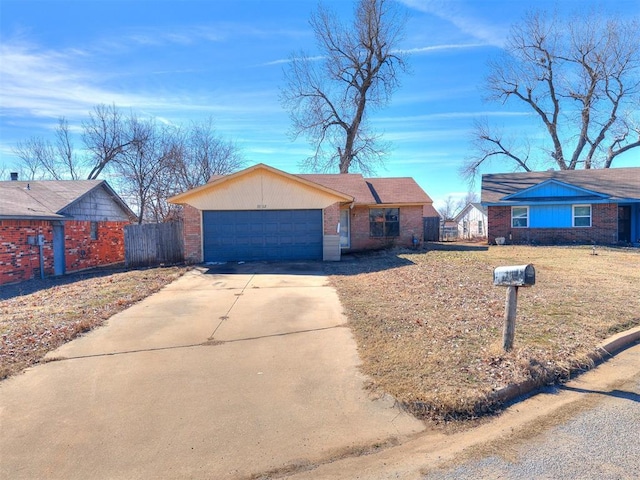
(259, 235)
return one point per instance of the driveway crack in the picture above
(226, 315)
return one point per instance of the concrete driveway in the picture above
(225, 373)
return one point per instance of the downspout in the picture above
(41, 249)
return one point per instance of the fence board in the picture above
(431, 230)
(153, 244)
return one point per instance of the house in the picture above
(52, 227)
(262, 213)
(449, 231)
(472, 221)
(561, 207)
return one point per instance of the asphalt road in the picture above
(601, 442)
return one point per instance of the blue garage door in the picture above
(262, 235)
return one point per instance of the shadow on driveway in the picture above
(265, 268)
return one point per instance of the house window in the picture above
(94, 230)
(582, 215)
(519, 217)
(480, 228)
(384, 222)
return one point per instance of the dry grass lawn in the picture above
(429, 323)
(39, 315)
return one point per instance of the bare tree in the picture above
(146, 162)
(66, 157)
(191, 157)
(202, 153)
(329, 99)
(104, 136)
(141, 164)
(580, 78)
(450, 208)
(35, 154)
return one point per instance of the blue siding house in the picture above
(564, 207)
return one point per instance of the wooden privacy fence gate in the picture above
(153, 244)
(431, 227)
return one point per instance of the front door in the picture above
(345, 238)
(624, 224)
(58, 249)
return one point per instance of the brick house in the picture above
(262, 213)
(61, 225)
(564, 207)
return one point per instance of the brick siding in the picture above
(20, 261)
(410, 225)
(330, 219)
(192, 234)
(603, 230)
(81, 252)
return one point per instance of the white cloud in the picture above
(439, 48)
(455, 13)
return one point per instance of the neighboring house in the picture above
(68, 225)
(449, 230)
(562, 207)
(262, 213)
(472, 222)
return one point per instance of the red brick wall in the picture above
(331, 218)
(81, 252)
(603, 230)
(410, 225)
(192, 234)
(20, 261)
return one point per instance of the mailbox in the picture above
(515, 276)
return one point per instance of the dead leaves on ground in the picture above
(429, 324)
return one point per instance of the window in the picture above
(582, 215)
(94, 230)
(480, 227)
(384, 222)
(519, 217)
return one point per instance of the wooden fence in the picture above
(431, 227)
(153, 244)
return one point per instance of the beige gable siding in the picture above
(261, 190)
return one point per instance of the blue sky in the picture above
(187, 60)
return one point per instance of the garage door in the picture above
(262, 235)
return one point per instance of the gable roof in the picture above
(220, 180)
(48, 199)
(615, 183)
(373, 191)
(468, 207)
(349, 187)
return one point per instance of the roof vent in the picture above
(14, 176)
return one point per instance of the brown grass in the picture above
(429, 323)
(39, 315)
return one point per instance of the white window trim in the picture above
(512, 225)
(573, 216)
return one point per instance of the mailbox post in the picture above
(512, 277)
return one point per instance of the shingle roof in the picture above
(46, 199)
(618, 183)
(369, 191)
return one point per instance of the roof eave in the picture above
(33, 217)
(180, 198)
